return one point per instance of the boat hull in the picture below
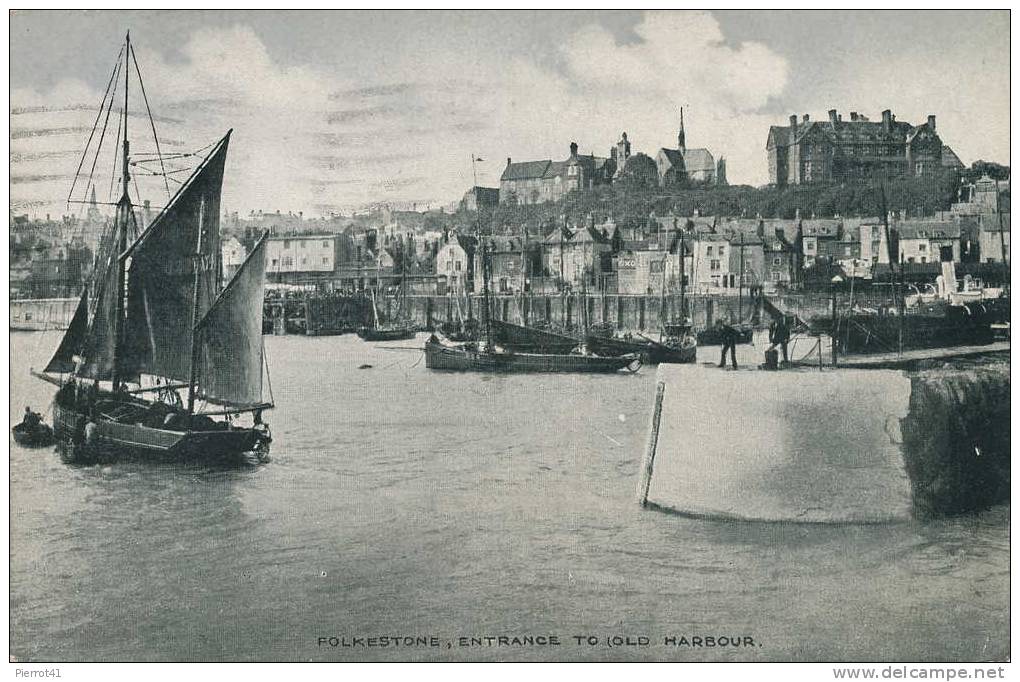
(112, 440)
(651, 352)
(864, 333)
(440, 357)
(531, 340)
(396, 334)
(39, 437)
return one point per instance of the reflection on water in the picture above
(402, 501)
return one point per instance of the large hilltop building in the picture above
(538, 182)
(835, 150)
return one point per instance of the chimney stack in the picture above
(793, 121)
(508, 160)
(806, 118)
(887, 120)
(931, 122)
(832, 116)
(573, 149)
(853, 115)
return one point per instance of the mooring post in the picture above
(653, 443)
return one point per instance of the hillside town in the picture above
(538, 245)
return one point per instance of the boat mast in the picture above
(485, 295)
(683, 282)
(124, 211)
(740, 284)
(197, 261)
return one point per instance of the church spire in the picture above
(680, 138)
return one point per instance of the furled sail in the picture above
(230, 342)
(161, 277)
(73, 342)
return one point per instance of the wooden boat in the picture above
(164, 320)
(471, 358)
(32, 436)
(394, 331)
(530, 339)
(490, 358)
(678, 350)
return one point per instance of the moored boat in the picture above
(530, 339)
(471, 358)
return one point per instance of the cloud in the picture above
(401, 123)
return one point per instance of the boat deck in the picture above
(911, 357)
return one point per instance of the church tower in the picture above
(682, 143)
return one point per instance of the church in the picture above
(683, 166)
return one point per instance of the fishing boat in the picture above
(164, 362)
(398, 329)
(489, 357)
(676, 343)
(529, 339)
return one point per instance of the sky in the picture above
(336, 111)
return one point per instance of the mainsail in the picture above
(100, 347)
(230, 341)
(161, 279)
(73, 342)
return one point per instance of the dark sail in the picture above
(161, 277)
(73, 342)
(100, 342)
(230, 343)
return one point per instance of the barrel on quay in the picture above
(836, 446)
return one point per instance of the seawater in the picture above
(401, 502)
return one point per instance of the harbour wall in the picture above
(836, 446)
(632, 313)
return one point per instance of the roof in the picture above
(525, 170)
(950, 159)
(692, 160)
(927, 229)
(844, 132)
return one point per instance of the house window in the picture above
(325, 244)
(722, 250)
(846, 250)
(775, 275)
(714, 265)
(286, 243)
(922, 247)
(924, 259)
(777, 261)
(325, 260)
(809, 246)
(457, 266)
(275, 262)
(708, 251)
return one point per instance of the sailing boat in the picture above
(491, 358)
(400, 328)
(675, 345)
(160, 313)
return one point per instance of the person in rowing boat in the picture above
(31, 419)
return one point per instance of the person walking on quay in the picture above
(779, 335)
(729, 337)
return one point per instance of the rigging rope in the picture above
(102, 135)
(102, 104)
(151, 121)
